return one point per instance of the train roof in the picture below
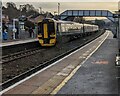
(68, 22)
(64, 22)
(60, 21)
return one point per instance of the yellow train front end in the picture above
(47, 32)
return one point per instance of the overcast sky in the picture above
(62, 0)
(51, 6)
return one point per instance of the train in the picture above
(49, 30)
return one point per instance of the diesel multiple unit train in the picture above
(50, 29)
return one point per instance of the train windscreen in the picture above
(40, 27)
(51, 28)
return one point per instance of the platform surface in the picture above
(98, 74)
(15, 42)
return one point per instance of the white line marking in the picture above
(85, 54)
(5, 90)
(82, 57)
(87, 51)
(18, 42)
(90, 49)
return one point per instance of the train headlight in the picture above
(41, 41)
(39, 35)
(52, 41)
(52, 35)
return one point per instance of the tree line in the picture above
(13, 12)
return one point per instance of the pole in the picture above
(1, 41)
(1, 21)
(40, 10)
(119, 27)
(14, 29)
(58, 10)
(19, 23)
(116, 25)
(83, 26)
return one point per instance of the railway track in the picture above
(19, 55)
(12, 81)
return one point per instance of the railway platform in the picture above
(16, 42)
(98, 75)
(88, 70)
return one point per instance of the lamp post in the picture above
(1, 39)
(83, 25)
(119, 26)
(21, 22)
(1, 21)
(58, 10)
(14, 29)
(40, 10)
(21, 6)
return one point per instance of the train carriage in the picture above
(49, 29)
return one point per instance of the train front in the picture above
(47, 32)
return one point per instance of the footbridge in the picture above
(88, 13)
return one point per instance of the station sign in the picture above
(21, 24)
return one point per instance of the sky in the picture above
(52, 6)
(62, 0)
